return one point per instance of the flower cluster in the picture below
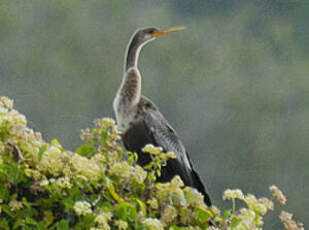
(252, 216)
(53, 160)
(233, 194)
(168, 215)
(63, 182)
(152, 224)
(277, 193)
(82, 208)
(15, 205)
(159, 159)
(172, 192)
(101, 187)
(121, 225)
(149, 148)
(289, 223)
(128, 174)
(86, 167)
(102, 220)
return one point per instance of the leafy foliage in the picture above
(44, 186)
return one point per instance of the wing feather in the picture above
(164, 135)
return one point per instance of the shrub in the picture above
(100, 186)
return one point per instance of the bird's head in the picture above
(140, 38)
(149, 34)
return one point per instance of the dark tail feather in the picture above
(198, 184)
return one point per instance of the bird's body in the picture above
(141, 123)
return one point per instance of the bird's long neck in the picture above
(130, 89)
(129, 92)
(133, 52)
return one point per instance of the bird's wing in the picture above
(165, 136)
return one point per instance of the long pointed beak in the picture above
(167, 31)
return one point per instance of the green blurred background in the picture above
(234, 85)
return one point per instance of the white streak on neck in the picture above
(135, 55)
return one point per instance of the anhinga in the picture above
(141, 123)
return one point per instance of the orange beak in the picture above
(167, 31)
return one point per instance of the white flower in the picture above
(86, 167)
(172, 191)
(277, 193)
(104, 123)
(233, 194)
(52, 161)
(254, 204)
(85, 134)
(153, 203)
(108, 122)
(128, 173)
(193, 196)
(121, 224)
(149, 148)
(152, 224)
(168, 214)
(268, 203)
(192, 228)
(103, 218)
(63, 182)
(15, 205)
(289, 223)
(247, 220)
(82, 208)
(7, 102)
(44, 182)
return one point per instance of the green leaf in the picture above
(42, 150)
(5, 127)
(234, 222)
(62, 225)
(48, 218)
(142, 206)
(14, 173)
(4, 192)
(85, 222)
(4, 225)
(86, 150)
(202, 215)
(6, 209)
(55, 142)
(30, 221)
(26, 203)
(41, 226)
(18, 223)
(175, 227)
(126, 211)
(104, 136)
(226, 214)
(26, 212)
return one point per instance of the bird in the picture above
(140, 122)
